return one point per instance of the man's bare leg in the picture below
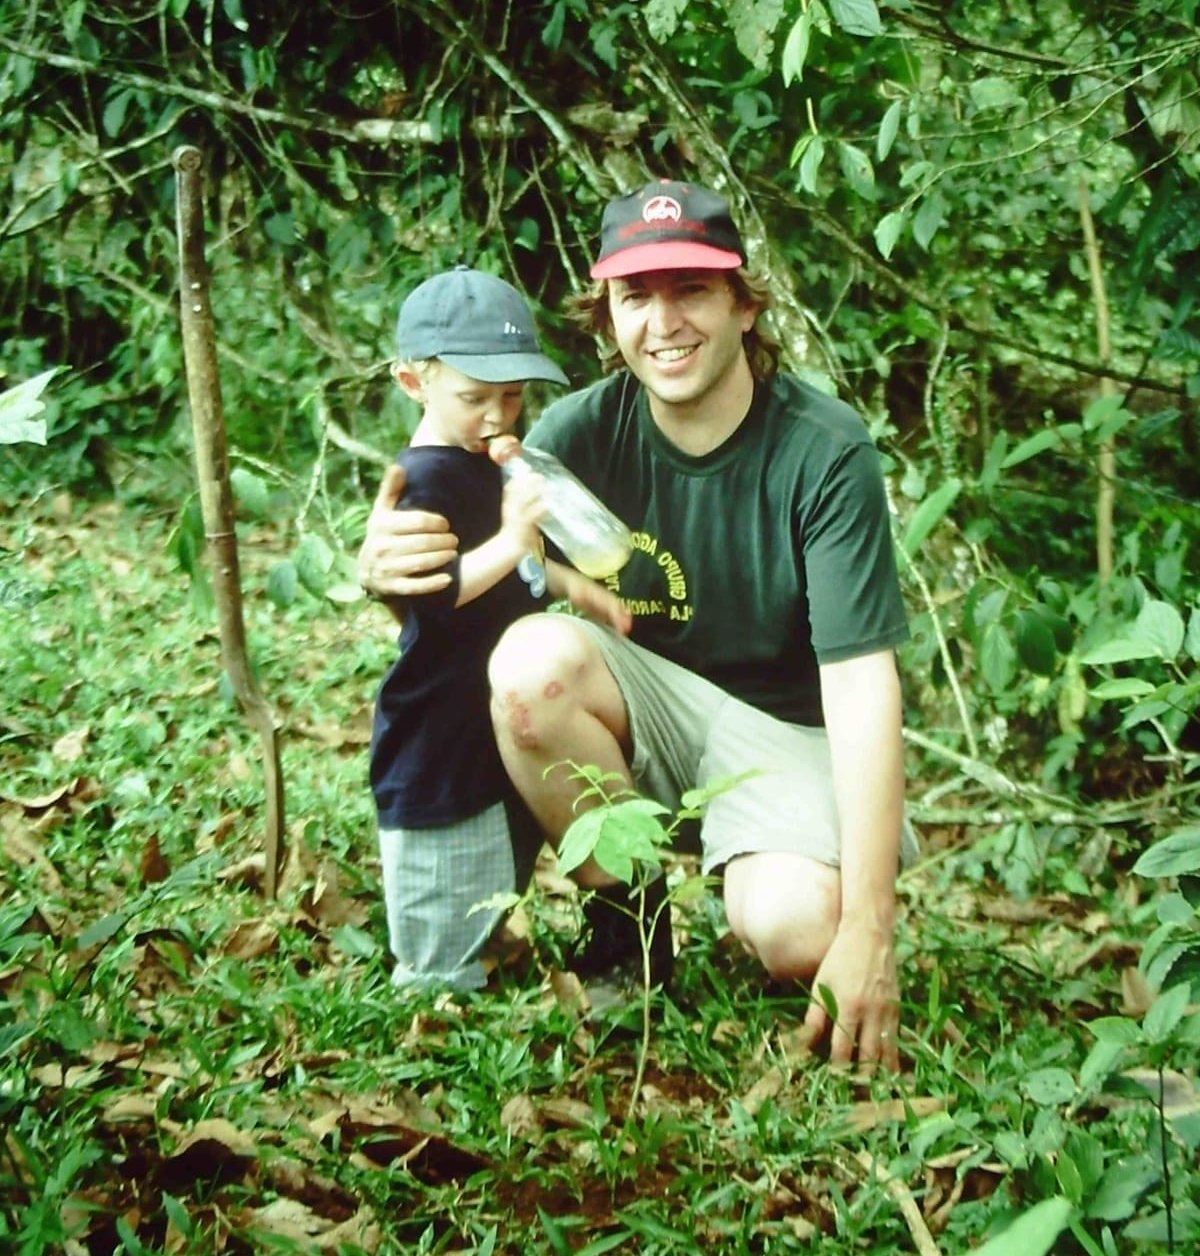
(784, 908)
(555, 703)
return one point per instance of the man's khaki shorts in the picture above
(689, 734)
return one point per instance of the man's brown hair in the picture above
(589, 311)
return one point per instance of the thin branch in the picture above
(364, 130)
(942, 32)
(944, 650)
(991, 778)
(909, 288)
(921, 1237)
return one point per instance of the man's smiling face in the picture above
(680, 332)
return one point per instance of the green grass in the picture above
(186, 1067)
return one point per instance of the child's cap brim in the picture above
(505, 368)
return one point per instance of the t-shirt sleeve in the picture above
(854, 600)
(423, 491)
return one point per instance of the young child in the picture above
(452, 831)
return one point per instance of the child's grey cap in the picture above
(476, 323)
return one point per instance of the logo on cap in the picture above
(662, 209)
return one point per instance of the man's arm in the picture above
(404, 550)
(861, 700)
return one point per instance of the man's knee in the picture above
(784, 910)
(534, 673)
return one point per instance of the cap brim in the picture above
(505, 368)
(665, 255)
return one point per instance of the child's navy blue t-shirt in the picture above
(433, 757)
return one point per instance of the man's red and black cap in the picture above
(667, 225)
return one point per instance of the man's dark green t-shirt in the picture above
(752, 563)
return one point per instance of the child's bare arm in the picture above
(588, 596)
(487, 564)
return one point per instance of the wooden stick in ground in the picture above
(1106, 463)
(216, 496)
(922, 1239)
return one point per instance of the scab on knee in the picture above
(514, 716)
(530, 673)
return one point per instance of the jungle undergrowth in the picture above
(185, 1065)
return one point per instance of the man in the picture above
(765, 605)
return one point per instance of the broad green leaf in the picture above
(795, 50)
(1115, 1029)
(233, 11)
(1070, 1180)
(753, 23)
(857, 169)
(997, 657)
(1033, 1233)
(1035, 642)
(993, 461)
(929, 217)
(993, 93)
(19, 404)
(1191, 642)
(113, 118)
(552, 32)
(579, 841)
(1031, 446)
(1161, 626)
(1126, 687)
(1049, 1087)
(662, 18)
(345, 592)
(606, 1243)
(103, 929)
(353, 941)
(1123, 1182)
(810, 164)
(1173, 856)
(887, 231)
(283, 583)
(251, 492)
(177, 1214)
(1118, 650)
(1099, 410)
(929, 514)
(314, 561)
(888, 129)
(1166, 1012)
(856, 17)
(690, 891)
(1104, 1059)
(915, 172)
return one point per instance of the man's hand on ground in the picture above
(860, 970)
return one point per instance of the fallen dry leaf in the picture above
(867, 1115)
(1179, 1097)
(154, 867)
(71, 746)
(251, 939)
(566, 1113)
(767, 1087)
(39, 802)
(1136, 995)
(519, 1117)
(130, 1108)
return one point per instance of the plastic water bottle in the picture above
(590, 536)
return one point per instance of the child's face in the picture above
(459, 410)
